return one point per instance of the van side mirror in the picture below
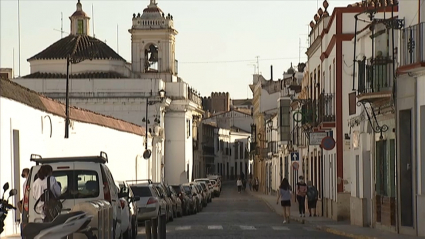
(136, 198)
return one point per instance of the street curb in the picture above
(322, 228)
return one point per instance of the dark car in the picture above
(187, 202)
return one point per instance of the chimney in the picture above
(271, 72)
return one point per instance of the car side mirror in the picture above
(123, 195)
(194, 194)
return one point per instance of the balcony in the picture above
(326, 110)
(412, 49)
(194, 96)
(375, 79)
(309, 112)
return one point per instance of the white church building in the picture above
(146, 92)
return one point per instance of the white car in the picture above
(216, 188)
(82, 179)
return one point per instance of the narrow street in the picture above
(234, 215)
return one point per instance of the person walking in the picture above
(301, 193)
(285, 199)
(256, 183)
(312, 197)
(239, 183)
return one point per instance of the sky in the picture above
(217, 45)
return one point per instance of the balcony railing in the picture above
(412, 44)
(326, 106)
(376, 76)
(309, 113)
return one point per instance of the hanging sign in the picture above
(328, 143)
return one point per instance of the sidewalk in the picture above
(342, 228)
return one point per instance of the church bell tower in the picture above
(153, 43)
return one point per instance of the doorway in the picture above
(406, 172)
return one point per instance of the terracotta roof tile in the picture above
(85, 75)
(16, 92)
(80, 46)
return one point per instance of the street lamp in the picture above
(71, 59)
(147, 153)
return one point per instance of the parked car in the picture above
(207, 187)
(186, 202)
(151, 204)
(206, 190)
(171, 205)
(191, 192)
(177, 199)
(216, 188)
(132, 207)
(200, 191)
(82, 179)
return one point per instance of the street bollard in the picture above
(155, 228)
(162, 227)
(148, 229)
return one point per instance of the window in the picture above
(236, 150)
(241, 149)
(188, 127)
(385, 162)
(78, 183)
(141, 191)
(352, 103)
(80, 29)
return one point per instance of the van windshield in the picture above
(78, 183)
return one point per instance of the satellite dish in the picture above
(147, 154)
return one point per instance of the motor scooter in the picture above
(5, 206)
(62, 226)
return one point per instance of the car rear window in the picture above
(141, 191)
(187, 189)
(177, 189)
(77, 183)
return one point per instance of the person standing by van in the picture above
(285, 199)
(40, 185)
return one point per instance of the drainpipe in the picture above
(397, 224)
(322, 179)
(354, 55)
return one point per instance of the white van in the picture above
(81, 179)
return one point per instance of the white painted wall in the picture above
(124, 149)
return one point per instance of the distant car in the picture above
(216, 188)
(187, 202)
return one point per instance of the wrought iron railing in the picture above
(376, 76)
(412, 44)
(272, 147)
(326, 107)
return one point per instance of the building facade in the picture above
(103, 81)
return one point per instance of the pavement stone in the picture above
(341, 228)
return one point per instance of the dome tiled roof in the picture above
(80, 46)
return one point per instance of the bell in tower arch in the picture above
(153, 53)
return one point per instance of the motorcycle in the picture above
(62, 226)
(5, 206)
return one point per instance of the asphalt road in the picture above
(235, 215)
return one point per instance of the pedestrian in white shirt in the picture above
(239, 183)
(40, 185)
